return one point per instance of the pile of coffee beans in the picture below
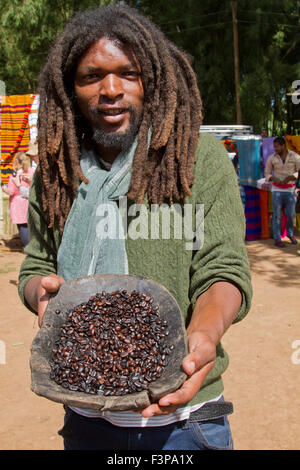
(114, 344)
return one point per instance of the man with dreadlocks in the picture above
(119, 117)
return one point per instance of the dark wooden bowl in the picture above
(75, 292)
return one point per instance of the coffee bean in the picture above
(113, 344)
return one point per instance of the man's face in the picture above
(109, 93)
(264, 133)
(278, 148)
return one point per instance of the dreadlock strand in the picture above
(195, 112)
(139, 159)
(169, 157)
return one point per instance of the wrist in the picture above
(215, 310)
(206, 332)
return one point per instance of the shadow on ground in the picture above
(281, 266)
(11, 243)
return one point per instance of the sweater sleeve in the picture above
(42, 248)
(223, 255)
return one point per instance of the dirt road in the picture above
(263, 378)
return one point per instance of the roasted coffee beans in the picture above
(114, 344)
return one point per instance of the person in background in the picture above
(264, 133)
(281, 169)
(32, 152)
(19, 180)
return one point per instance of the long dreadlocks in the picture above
(172, 106)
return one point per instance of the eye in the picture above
(131, 74)
(91, 76)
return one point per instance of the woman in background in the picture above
(19, 180)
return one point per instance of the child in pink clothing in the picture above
(18, 205)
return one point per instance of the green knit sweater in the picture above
(184, 272)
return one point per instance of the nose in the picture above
(111, 87)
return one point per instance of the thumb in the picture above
(48, 285)
(202, 351)
(52, 282)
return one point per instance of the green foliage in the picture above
(28, 29)
(269, 54)
(269, 49)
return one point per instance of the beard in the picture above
(119, 140)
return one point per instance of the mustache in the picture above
(96, 111)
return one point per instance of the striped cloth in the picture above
(130, 419)
(252, 213)
(14, 134)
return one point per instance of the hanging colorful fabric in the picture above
(15, 133)
(33, 118)
(267, 149)
(250, 169)
(264, 214)
(252, 214)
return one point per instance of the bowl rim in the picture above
(40, 366)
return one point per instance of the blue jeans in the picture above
(288, 200)
(81, 433)
(24, 234)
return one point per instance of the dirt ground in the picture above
(263, 378)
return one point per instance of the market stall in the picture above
(249, 153)
(253, 152)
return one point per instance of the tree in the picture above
(269, 50)
(269, 55)
(28, 29)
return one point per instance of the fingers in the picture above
(188, 390)
(197, 364)
(173, 401)
(49, 285)
(157, 410)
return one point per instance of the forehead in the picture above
(107, 53)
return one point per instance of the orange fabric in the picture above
(14, 133)
(264, 213)
(293, 142)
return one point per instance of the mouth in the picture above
(112, 115)
(112, 111)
